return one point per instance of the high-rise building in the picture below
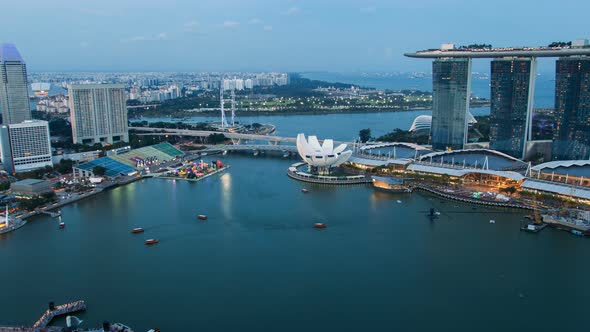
(14, 90)
(451, 85)
(512, 90)
(571, 139)
(98, 113)
(25, 146)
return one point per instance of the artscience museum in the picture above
(321, 158)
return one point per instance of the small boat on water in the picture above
(305, 191)
(137, 230)
(398, 201)
(320, 225)
(492, 221)
(62, 225)
(151, 241)
(202, 217)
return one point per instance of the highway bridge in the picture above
(205, 133)
(237, 138)
(252, 147)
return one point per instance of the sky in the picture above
(274, 35)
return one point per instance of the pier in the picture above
(59, 310)
(470, 200)
(48, 316)
(52, 214)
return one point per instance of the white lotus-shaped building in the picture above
(324, 155)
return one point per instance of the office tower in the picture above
(512, 90)
(98, 113)
(14, 90)
(451, 85)
(571, 139)
(25, 146)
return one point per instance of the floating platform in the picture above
(533, 228)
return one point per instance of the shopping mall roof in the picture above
(571, 167)
(459, 172)
(378, 145)
(498, 160)
(377, 162)
(556, 188)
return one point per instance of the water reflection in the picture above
(226, 195)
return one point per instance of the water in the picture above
(257, 264)
(339, 126)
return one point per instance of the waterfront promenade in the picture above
(51, 313)
(469, 200)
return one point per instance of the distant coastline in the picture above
(214, 114)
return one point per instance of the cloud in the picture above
(267, 28)
(231, 24)
(84, 44)
(292, 11)
(138, 39)
(369, 10)
(191, 27)
(255, 21)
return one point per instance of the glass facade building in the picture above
(14, 89)
(571, 139)
(98, 113)
(512, 91)
(451, 85)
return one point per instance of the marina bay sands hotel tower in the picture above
(513, 72)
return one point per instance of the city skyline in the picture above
(260, 35)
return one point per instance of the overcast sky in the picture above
(265, 35)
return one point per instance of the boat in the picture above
(202, 217)
(286, 155)
(137, 230)
(492, 221)
(62, 225)
(151, 241)
(305, 191)
(9, 225)
(398, 201)
(320, 225)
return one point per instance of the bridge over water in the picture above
(237, 138)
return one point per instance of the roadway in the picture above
(205, 133)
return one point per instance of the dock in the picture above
(59, 310)
(52, 214)
(48, 316)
